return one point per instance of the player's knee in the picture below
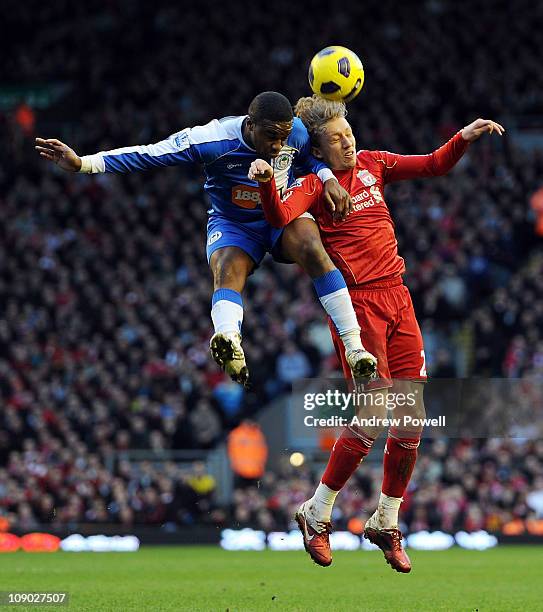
(230, 269)
(416, 391)
(312, 256)
(419, 411)
(409, 408)
(226, 272)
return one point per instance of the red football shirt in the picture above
(364, 246)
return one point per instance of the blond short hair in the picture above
(315, 112)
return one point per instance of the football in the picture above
(336, 73)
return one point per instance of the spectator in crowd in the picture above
(247, 451)
(292, 364)
(205, 425)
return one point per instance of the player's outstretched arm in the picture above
(59, 153)
(191, 145)
(401, 167)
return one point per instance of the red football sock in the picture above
(349, 450)
(398, 465)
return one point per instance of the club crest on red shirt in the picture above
(366, 178)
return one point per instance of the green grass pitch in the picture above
(207, 578)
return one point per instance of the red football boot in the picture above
(316, 536)
(390, 542)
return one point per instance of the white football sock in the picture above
(340, 309)
(334, 296)
(322, 502)
(351, 340)
(227, 311)
(388, 510)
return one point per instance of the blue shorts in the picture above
(256, 238)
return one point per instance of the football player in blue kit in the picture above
(238, 235)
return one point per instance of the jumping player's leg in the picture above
(230, 267)
(314, 516)
(233, 253)
(350, 449)
(302, 244)
(355, 442)
(352, 446)
(399, 462)
(407, 366)
(408, 369)
(348, 452)
(400, 452)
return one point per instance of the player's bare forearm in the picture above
(59, 153)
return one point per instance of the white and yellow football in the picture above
(336, 73)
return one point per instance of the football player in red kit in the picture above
(364, 248)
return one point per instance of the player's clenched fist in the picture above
(56, 151)
(260, 171)
(479, 127)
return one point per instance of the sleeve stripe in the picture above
(153, 150)
(127, 162)
(200, 134)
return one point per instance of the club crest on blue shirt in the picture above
(284, 160)
(366, 178)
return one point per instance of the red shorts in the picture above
(389, 330)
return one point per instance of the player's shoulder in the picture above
(298, 135)
(372, 160)
(366, 155)
(232, 126)
(212, 140)
(217, 130)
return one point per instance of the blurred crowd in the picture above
(48, 484)
(457, 485)
(104, 287)
(512, 319)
